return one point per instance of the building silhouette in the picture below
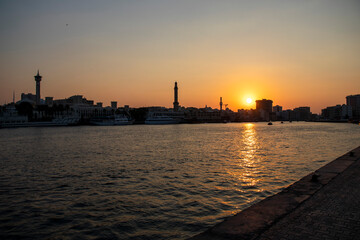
(37, 80)
(49, 101)
(354, 102)
(302, 113)
(114, 104)
(28, 97)
(277, 109)
(264, 108)
(337, 113)
(264, 104)
(176, 101)
(221, 103)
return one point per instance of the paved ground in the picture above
(323, 205)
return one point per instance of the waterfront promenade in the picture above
(322, 205)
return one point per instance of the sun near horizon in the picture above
(245, 101)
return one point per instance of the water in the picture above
(151, 182)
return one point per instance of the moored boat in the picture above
(111, 120)
(161, 118)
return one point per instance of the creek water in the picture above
(151, 182)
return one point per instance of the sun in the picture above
(249, 100)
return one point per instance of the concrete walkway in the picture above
(323, 205)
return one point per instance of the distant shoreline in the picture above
(52, 124)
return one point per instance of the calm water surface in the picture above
(151, 182)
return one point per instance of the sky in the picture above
(296, 53)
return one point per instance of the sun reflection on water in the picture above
(249, 142)
(246, 171)
(248, 157)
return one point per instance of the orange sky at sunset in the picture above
(296, 53)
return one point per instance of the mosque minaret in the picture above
(38, 80)
(176, 102)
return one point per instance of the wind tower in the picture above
(221, 103)
(38, 80)
(176, 102)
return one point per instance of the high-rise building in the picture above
(37, 80)
(264, 108)
(354, 102)
(176, 102)
(264, 104)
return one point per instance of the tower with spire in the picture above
(176, 102)
(37, 80)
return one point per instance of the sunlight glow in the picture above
(249, 100)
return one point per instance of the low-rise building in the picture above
(302, 114)
(337, 113)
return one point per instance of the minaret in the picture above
(221, 103)
(176, 102)
(37, 80)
